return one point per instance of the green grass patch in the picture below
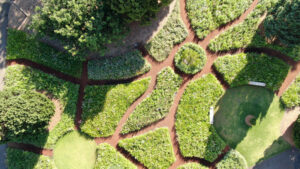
(157, 105)
(263, 139)
(291, 97)
(192, 166)
(75, 151)
(173, 32)
(239, 69)
(125, 66)
(196, 137)
(233, 159)
(153, 149)
(104, 106)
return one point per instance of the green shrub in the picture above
(296, 132)
(196, 137)
(239, 69)
(104, 106)
(192, 166)
(153, 149)
(207, 15)
(157, 105)
(23, 46)
(108, 157)
(291, 97)
(233, 159)
(190, 58)
(173, 32)
(120, 67)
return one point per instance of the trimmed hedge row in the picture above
(173, 32)
(157, 105)
(153, 149)
(196, 137)
(239, 69)
(120, 67)
(296, 132)
(233, 159)
(104, 106)
(192, 166)
(291, 97)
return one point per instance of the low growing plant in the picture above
(296, 132)
(192, 166)
(291, 97)
(233, 159)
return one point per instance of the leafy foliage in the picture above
(296, 132)
(241, 68)
(156, 106)
(153, 149)
(196, 137)
(120, 67)
(192, 166)
(233, 159)
(190, 58)
(291, 97)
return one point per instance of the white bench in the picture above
(211, 115)
(257, 84)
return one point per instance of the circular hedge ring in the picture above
(190, 58)
(296, 132)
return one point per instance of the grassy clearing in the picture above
(120, 67)
(153, 149)
(104, 106)
(263, 139)
(192, 166)
(173, 32)
(291, 97)
(196, 137)
(233, 159)
(157, 105)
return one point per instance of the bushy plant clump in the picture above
(239, 69)
(207, 15)
(233, 159)
(291, 97)
(190, 58)
(119, 67)
(296, 132)
(157, 105)
(173, 32)
(196, 137)
(192, 166)
(153, 149)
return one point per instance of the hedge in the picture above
(239, 69)
(291, 97)
(207, 15)
(233, 159)
(21, 77)
(104, 106)
(157, 105)
(192, 166)
(120, 67)
(190, 58)
(23, 46)
(296, 132)
(195, 135)
(173, 32)
(153, 149)
(108, 157)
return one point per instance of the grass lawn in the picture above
(74, 151)
(260, 141)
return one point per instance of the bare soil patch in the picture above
(248, 120)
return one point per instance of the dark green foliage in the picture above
(296, 132)
(232, 160)
(190, 58)
(291, 97)
(192, 166)
(239, 69)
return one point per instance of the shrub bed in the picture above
(233, 159)
(153, 149)
(196, 137)
(156, 106)
(239, 69)
(192, 166)
(291, 97)
(120, 67)
(173, 32)
(296, 132)
(104, 106)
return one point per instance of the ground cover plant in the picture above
(192, 166)
(190, 58)
(125, 66)
(291, 97)
(173, 32)
(239, 69)
(195, 135)
(207, 15)
(104, 106)
(296, 132)
(233, 159)
(153, 149)
(259, 141)
(23, 46)
(157, 105)
(108, 157)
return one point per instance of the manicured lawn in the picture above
(260, 141)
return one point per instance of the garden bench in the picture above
(211, 115)
(257, 84)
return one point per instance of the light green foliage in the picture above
(296, 132)
(192, 166)
(291, 97)
(172, 33)
(153, 149)
(119, 67)
(207, 15)
(156, 106)
(23, 46)
(108, 157)
(104, 106)
(196, 137)
(190, 58)
(239, 69)
(233, 159)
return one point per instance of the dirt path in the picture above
(286, 128)
(31, 148)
